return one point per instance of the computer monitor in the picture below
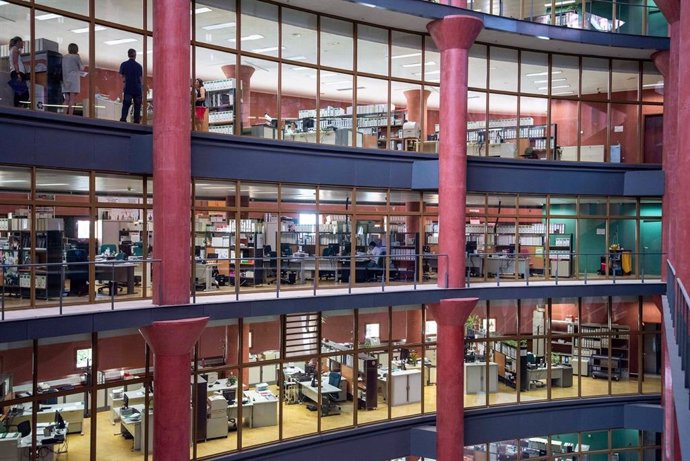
(230, 395)
(404, 354)
(285, 249)
(470, 247)
(125, 401)
(309, 369)
(59, 422)
(334, 249)
(307, 124)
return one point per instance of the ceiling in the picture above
(216, 25)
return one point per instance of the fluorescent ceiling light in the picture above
(120, 41)
(222, 25)
(653, 85)
(203, 9)
(3, 3)
(553, 87)
(325, 75)
(402, 56)
(140, 53)
(295, 58)
(303, 68)
(562, 93)
(45, 17)
(474, 96)
(543, 74)
(553, 80)
(349, 89)
(8, 181)
(543, 37)
(419, 64)
(52, 184)
(560, 3)
(84, 30)
(339, 82)
(248, 38)
(367, 4)
(267, 50)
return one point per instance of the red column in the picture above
(171, 152)
(667, 403)
(245, 88)
(453, 36)
(450, 316)
(172, 342)
(416, 108)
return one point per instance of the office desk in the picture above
(134, 397)
(204, 273)
(343, 269)
(561, 376)
(135, 426)
(118, 273)
(45, 451)
(247, 412)
(264, 408)
(72, 413)
(505, 265)
(219, 386)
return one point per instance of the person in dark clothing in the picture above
(132, 73)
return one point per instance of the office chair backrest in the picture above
(334, 378)
(24, 428)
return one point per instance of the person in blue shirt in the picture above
(132, 74)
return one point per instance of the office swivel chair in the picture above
(329, 405)
(24, 428)
(327, 263)
(531, 364)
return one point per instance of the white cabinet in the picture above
(475, 377)
(406, 387)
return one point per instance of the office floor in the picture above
(299, 421)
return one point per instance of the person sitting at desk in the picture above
(376, 260)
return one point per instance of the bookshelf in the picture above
(511, 138)
(220, 100)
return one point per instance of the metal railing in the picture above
(562, 265)
(289, 273)
(679, 303)
(600, 15)
(47, 281)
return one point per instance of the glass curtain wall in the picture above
(259, 380)
(284, 73)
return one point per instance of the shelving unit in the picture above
(505, 355)
(560, 254)
(221, 103)
(503, 138)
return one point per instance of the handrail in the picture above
(679, 304)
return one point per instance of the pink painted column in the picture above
(453, 35)
(245, 79)
(171, 343)
(171, 152)
(450, 316)
(416, 108)
(667, 404)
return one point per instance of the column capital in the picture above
(459, 31)
(670, 9)
(661, 61)
(245, 73)
(173, 337)
(453, 312)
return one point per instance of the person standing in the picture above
(71, 76)
(18, 72)
(132, 75)
(200, 111)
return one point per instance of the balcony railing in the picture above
(643, 18)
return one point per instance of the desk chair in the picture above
(324, 273)
(329, 401)
(532, 363)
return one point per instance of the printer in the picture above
(411, 130)
(217, 415)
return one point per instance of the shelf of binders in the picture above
(220, 100)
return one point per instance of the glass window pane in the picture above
(335, 109)
(625, 126)
(477, 67)
(595, 77)
(533, 73)
(15, 24)
(216, 23)
(76, 6)
(259, 33)
(337, 45)
(260, 108)
(130, 12)
(625, 78)
(432, 72)
(536, 138)
(503, 69)
(299, 36)
(565, 70)
(372, 50)
(217, 71)
(407, 56)
(374, 114)
(593, 126)
(298, 103)
(652, 83)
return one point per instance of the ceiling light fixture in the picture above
(267, 49)
(120, 41)
(349, 89)
(8, 181)
(553, 80)
(302, 68)
(248, 38)
(653, 85)
(543, 74)
(543, 37)
(339, 82)
(222, 25)
(295, 58)
(84, 30)
(47, 16)
(52, 184)
(419, 64)
(3, 3)
(553, 87)
(403, 56)
(203, 9)
(561, 93)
